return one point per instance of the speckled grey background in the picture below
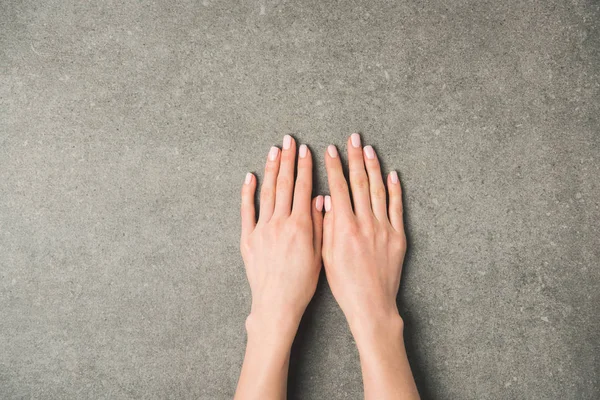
(126, 129)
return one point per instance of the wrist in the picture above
(271, 329)
(377, 330)
(267, 357)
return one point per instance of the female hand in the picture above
(282, 252)
(363, 249)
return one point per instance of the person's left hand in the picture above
(282, 252)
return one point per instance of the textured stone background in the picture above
(126, 129)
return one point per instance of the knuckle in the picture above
(398, 242)
(368, 227)
(271, 168)
(306, 162)
(372, 163)
(360, 182)
(300, 221)
(267, 194)
(339, 186)
(352, 230)
(284, 183)
(275, 224)
(379, 193)
(396, 202)
(247, 204)
(244, 246)
(288, 156)
(384, 234)
(303, 186)
(247, 193)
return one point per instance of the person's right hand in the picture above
(363, 249)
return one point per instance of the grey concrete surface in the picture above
(126, 129)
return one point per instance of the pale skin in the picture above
(361, 245)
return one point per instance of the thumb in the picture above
(317, 219)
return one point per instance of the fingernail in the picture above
(332, 151)
(319, 203)
(327, 203)
(273, 153)
(248, 178)
(303, 150)
(287, 142)
(355, 139)
(370, 153)
(394, 176)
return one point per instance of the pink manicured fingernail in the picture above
(355, 139)
(287, 142)
(273, 153)
(327, 203)
(319, 203)
(248, 178)
(394, 176)
(332, 151)
(370, 153)
(303, 150)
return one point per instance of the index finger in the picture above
(303, 187)
(338, 187)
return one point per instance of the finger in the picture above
(338, 188)
(247, 210)
(376, 187)
(359, 182)
(303, 187)
(317, 220)
(285, 179)
(396, 211)
(327, 228)
(267, 191)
